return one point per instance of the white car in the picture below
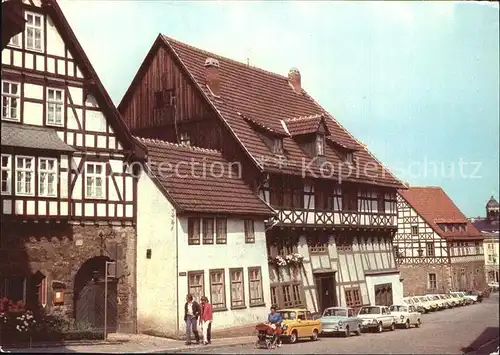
(376, 318)
(406, 315)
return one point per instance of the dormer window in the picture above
(278, 146)
(320, 145)
(184, 139)
(349, 158)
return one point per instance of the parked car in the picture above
(456, 299)
(428, 304)
(474, 296)
(340, 320)
(300, 324)
(376, 318)
(462, 297)
(493, 285)
(449, 302)
(406, 315)
(440, 302)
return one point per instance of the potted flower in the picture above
(295, 261)
(25, 323)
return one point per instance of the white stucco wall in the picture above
(156, 277)
(235, 254)
(397, 286)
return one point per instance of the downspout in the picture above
(177, 332)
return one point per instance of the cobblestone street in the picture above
(454, 331)
(472, 329)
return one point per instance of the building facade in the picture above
(437, 248)
(336, 202)
(68, 202)
(201, 231)
(489, 226)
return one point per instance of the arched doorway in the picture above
(89, 293)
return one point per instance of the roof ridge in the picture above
(177, 145)
(234, 61)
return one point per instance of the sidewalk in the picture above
(135, 343)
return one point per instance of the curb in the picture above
(60, 345)
(195, 348)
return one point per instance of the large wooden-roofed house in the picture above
(339, 215)
(438, 248)
(201, 231)
(68, 202)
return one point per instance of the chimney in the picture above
(212, 75)
(294, 80)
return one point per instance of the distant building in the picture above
(489, 227)
(437, 247)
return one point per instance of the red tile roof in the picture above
(201, 180)
(435, 206)
(268, 99)
(303, 125)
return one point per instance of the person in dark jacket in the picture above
(192, 311)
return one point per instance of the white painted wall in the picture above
(235, 254)
(157, 303)
(397, 287)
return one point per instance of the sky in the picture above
(417, 82)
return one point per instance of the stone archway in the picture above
(88, 296)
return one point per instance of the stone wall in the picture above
(415, 279)
(58, 251)
(468, 275)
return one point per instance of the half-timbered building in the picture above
(201, 231)
(489, 226)
(436, 246)
(336, 202)
(67, 198)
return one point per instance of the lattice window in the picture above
(274, 295)
(349, 199)
(208, 231)
(237, 288)
(184, 139)
(429, 246)
(55, 104)
(10, 101)
(6, 174)
(414, 230)
(353, 297)
(95, 175)
(278, 146)
(296, 294)
(320, 145)
(217, 289)
(249, 231)
(255, 281)
(25, 171)
(14, 288)
(47, 176)
(193, 231)
(432, 281)
(34, 31)
(196, 284)
(221, 231)
(287, 295)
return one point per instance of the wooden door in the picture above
(326, 291)
(89, 310)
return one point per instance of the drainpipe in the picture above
(177, 274)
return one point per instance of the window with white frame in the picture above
(55, 104)
(6, 174)
(47, 177)
(255, 281)
(25, 171)
(237, 288)
(95, 178)
(34, 31)
(217, 289)
(10, 101)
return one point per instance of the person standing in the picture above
(206, 320)
(192, 311)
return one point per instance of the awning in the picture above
(17, 135)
